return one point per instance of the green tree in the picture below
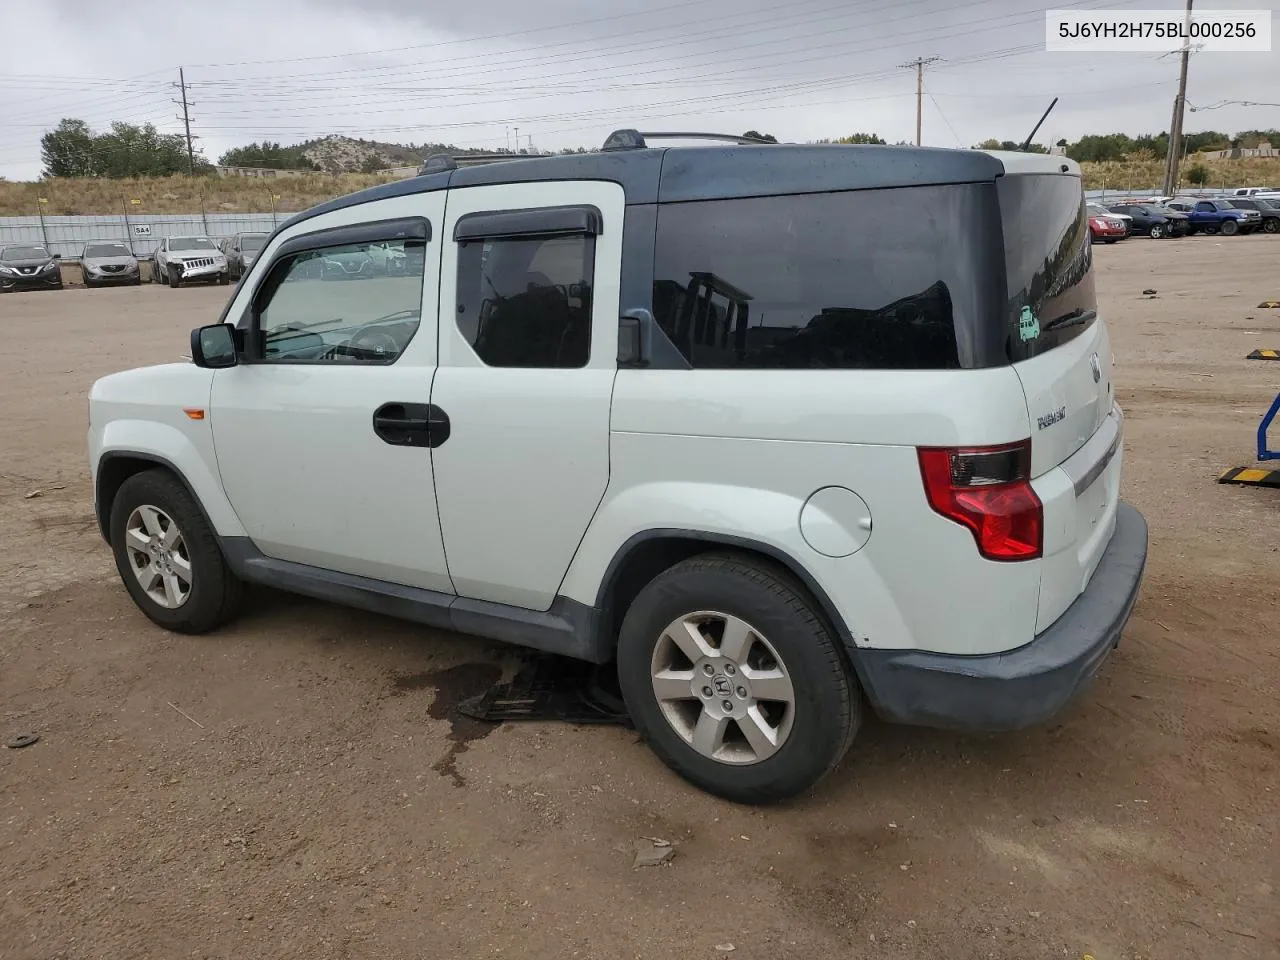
(126, 150)
(373, 164)
(268, 155)
(755, 135)
(1198, 174)
(862, 138)
(67, 150)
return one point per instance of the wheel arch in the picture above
(117, 466)
(646, 554)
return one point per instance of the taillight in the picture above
(988, 490)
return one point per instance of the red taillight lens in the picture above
(988, 490)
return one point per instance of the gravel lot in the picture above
(320, 803)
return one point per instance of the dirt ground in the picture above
(313, 799)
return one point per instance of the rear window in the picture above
(870, 279)
(1048, 262)
(252, 242)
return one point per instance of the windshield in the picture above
(24, 253)
(252, 242)
(107, 250)
(191, 243)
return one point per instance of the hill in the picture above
(179, 194)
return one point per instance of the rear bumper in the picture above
(1022, 687)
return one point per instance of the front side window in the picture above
(252, 243)
(347, 303)
(525, 301)
(869, 279)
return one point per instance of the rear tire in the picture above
(1229, 228)
(794, 704)
(189, 588)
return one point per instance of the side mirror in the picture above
(57, 256)
(214, 346)
(635, 338)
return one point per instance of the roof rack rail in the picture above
(438, 162)
(635, 140)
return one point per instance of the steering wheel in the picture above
(372, 340)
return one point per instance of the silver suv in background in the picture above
(106, 262)
(241, 250)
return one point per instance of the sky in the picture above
(567, 72)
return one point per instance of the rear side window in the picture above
(1048, 262)
(871, 279)
(525, 301)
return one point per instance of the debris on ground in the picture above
(33, 494)
(726, 947)
(653, 855)
(550, 687)
(1149, 292)
(23, 740)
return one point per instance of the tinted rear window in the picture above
(1048, 261)
(870, 279)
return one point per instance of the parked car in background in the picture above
(105, 262)
(1250, 191)
(29, 267)
(1152, 221)
(241, 250)
(180, 260)
(1269, 210)
(1105, 225)
(1216, 216)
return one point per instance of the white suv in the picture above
(783, 429)
(180, 260)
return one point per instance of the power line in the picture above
(938, 106)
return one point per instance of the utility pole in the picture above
(517, 139)
(919, 63)
(186, 123)
(1179, 107)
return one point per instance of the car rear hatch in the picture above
(1062, 355)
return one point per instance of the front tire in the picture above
(175, 278)
(1157, 231)
(733, 678)
(1229, 228)
(168, 557)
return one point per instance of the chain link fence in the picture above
(66, 236)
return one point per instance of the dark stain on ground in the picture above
(452, 685)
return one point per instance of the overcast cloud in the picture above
(566, 72)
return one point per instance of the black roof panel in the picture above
(719, 173)
(636, 170)
(666, 175)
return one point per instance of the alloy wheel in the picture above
(723, 688)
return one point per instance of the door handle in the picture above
(411, 424)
